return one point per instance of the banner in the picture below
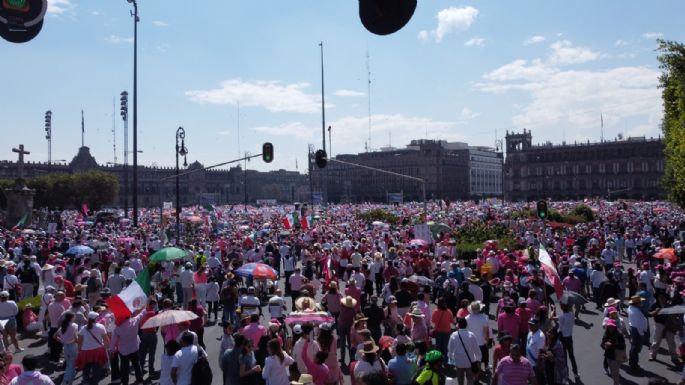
(395, 198)
(317, 197)
(168, 205)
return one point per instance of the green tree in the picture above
(672, 83)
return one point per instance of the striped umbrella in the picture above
(300, 317)
(257, 271)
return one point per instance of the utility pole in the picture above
(323, 123)
(124, 117)
(247, 154)
(48, 136)
(136, 19)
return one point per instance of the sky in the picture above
(238, 73)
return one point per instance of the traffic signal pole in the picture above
(213, 166)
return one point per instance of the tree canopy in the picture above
(58, 191)
(672, 83)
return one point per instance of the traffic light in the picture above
(321, 158)
(542, 209)
(267, 152)
(384, 17)
(21, 20)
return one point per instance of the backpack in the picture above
(202, 372)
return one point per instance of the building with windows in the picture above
(451, 171)
(622, 168)
(158, 184)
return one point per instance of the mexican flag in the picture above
(132, 298)
(547, 266)
(22, 222)
(307, 222)
(290, 220)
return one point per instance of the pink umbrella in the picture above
(316, 318)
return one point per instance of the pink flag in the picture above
(550, 271)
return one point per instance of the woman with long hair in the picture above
(276, 367)
(331, 301)
(170, 350)
(9, 370)
(249, 370)
(317, 368)
(92, 355)
(391, 317)
(67, 336)
(328, 343)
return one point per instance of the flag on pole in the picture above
(290, 220)
(550, 271)
(22, 222)
(132, 298)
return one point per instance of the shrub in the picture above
(585, 212)
(378, 215)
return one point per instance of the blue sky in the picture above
(459, 71)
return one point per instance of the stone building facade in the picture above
(622, 168)
(452, 171)
(158, 184)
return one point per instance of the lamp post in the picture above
(48, 136)
(124, 117)
(182, 151)
(136, 19)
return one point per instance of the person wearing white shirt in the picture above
(534, 344)
(128, 272)
(566, 322)
(276, 365)
(187, 283)
(479, 325)
(312, 349)
(639, 327)
(475, 289)
(184, 359)
(462, 351)
(359, 278)
(596, 279)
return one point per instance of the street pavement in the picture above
(587, 336)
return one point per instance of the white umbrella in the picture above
(169, 317)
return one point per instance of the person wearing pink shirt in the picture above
(316, 368)
(254, 331)
(55, 310)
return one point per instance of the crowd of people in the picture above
(367, 302)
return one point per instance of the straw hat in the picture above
(359, 317)
(476, 307)
(417, 313)
(349, 301)
(305, 379)
(636, 300)
(495, 281)
(474, 279)
(611, 302)
(369, 347)
(47, 266)
(304, 303)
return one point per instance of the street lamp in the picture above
(182, 151)
(48, 135)
(124, 117)
(136, 19)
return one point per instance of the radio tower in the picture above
(368, 84)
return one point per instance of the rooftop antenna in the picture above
(601, 132)
(83, 129)
(368, 85)
(114, 131)
(238, 129)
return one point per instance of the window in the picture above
(629, 166)
(602, 168)
(616, 167)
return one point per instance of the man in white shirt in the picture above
(277, 306)
(639, 326)
(535, 342)
(356, 258)
(479, 325)
(462, 350)
(475, 289)
(596, 279)
(295, 285)
(184, 359)
(250, 304)
(187, 283)
(288, 269)
(566, 322)
(128, 272)
(312, 349)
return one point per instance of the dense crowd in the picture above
(373, 301)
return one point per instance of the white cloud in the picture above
(95, 13)
(114, 39)
(467, 114)
(475, 41)
(563, 52)
(537, 39)
(224, 132)
(652, 35)
(159, 23)
(271, 95)
(348, 93)
(562, 98)
(162, 48)
(450, 19)
(620, 43)
(59, 7)
(293, 129)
